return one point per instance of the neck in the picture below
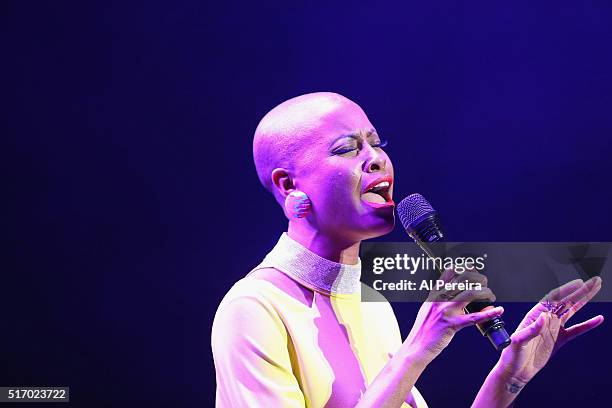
(326, 246)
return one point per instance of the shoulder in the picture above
(245, 295)
(263, 294)
(284, 284)
(246, 314)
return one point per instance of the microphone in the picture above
(422, 223)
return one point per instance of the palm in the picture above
(530, 357)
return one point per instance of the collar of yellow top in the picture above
(323, 275)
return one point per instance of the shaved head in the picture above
(323, 145)
(282, 136)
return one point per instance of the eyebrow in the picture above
(369, 133)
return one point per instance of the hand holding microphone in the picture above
(422, 223)
(438, 320)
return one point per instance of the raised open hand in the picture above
(542, 331)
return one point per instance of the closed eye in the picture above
(380, 143)
(342, 150)
(345, 150)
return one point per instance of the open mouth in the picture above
(378, 193)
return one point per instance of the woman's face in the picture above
(348, 177)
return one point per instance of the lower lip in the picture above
(388, 204)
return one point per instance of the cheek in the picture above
(344, 186)
(334, 186)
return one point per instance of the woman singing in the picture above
(294, 333)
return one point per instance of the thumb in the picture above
(471, 319)
(520, 337)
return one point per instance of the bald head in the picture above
(283, 135)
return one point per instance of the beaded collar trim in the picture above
(323, 275)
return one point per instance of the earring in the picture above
(297, 204)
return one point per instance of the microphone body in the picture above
(422, 224)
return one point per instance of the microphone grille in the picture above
(412, 208)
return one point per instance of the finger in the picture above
(562, 291)
(448, 275)
(590, 286)
(527, 333)
(474, 277)
(581, 297)
(468, 296)
(561, 294)
(581, 328)
(532, 315)
(471, 319)
(442, 295)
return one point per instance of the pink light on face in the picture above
(334, 153)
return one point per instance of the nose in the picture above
(376, 161)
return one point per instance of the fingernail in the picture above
(595, 280)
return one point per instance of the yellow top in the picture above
(273, 350)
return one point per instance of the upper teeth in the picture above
(382, 184)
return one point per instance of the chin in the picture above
(379, 227)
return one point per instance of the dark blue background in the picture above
(133, 203)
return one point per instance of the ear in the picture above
(282, 182)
